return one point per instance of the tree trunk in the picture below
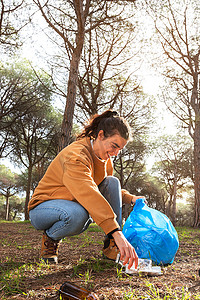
(69, 107)
(28, 191)
(67, 123)
(197, 173)
(7, 208)
(169, 206)
(174, 198)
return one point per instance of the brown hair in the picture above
(110, 122)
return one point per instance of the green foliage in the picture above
(90, 266)
(120, 273)
(8, 179)
(173, 168)
(173, 153)
(23, 96)
(38, 131)
(154, 191)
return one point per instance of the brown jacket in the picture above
(75, 174)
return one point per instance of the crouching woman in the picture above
(79, 188)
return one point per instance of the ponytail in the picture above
(110, 122)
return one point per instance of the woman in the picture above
(78, 187)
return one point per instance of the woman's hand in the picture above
(138, 197)
(127, 252)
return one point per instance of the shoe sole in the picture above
(49, 260)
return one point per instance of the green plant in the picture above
(119, 273)
(78, 266)
(153, 292)
(24, 246)
(128, 295)
(197, 241)
(87, 277)
(185, 294)
(5, 243)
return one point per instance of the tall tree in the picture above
(177, 26)
(72, 20)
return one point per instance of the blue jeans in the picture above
(61, 218)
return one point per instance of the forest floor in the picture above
(23, 276)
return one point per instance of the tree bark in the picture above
(70, 101)
(195, 103)
(174, 197)
(197, 173)
(169, 205)
(7, 208)
(67, 123)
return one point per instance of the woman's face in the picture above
(105, 147)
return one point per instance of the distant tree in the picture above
(33, 135)
(40, 167)
(16, 208)
(8, 187)
(185, 211)
(28, 120)
(20, 91)
(129, 167)
(153, 188)
(173, 167)
(130, 162)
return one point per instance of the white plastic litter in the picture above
(144, 267)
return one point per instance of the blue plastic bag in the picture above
(151, 233)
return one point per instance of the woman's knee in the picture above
(69, 224)
(61, 214)
(112, 181)
(110, 188)
(76, 222)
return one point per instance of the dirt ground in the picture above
(80, 261)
